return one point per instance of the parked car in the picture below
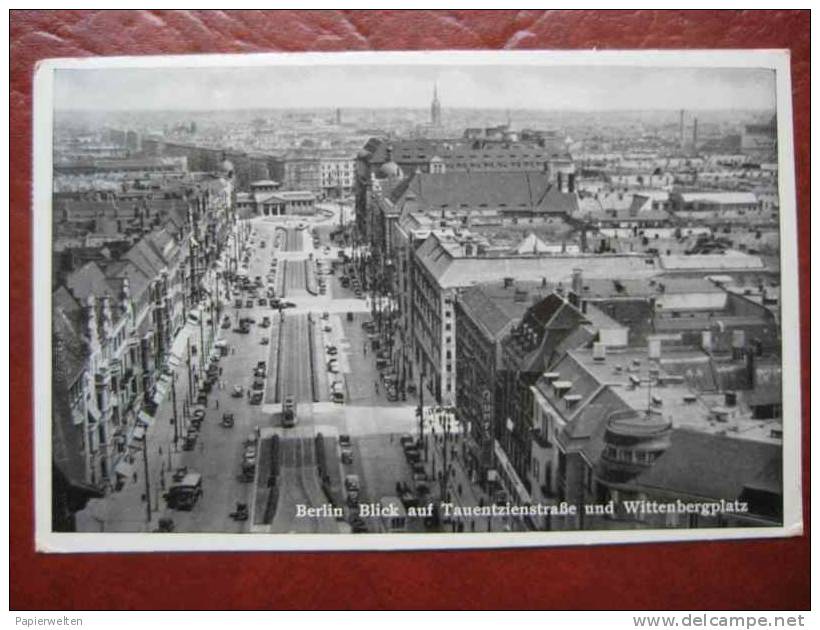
(332, 350)
(352, 483)
(238, 391)
(264, 341)
(344, 440)
(256, 398)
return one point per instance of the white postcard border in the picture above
(43, 116)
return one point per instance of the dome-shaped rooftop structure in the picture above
(227, 167)
(390, 170)
(632, 442)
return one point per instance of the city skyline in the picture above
(580, 88)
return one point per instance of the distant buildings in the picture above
(336, 175)
(760, 140)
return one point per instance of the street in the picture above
(293, 347)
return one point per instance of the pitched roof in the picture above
(710, 466)
(731, 260)
(493, 307)
(87, 280)
(504, 190)
(69, 349)
(451, 270)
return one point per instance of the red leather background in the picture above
(754, 574)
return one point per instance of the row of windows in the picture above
(630, 456)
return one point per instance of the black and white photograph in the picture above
(412, 300)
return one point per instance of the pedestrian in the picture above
(216, 403)
(220, 370)
(134, 477)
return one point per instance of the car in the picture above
(287, 305)
(237, 303)
(264, 341)
(289, 411)
(265, 322)
(238, 391)
(332, 350)
(325, 315)
(256, 398)
(347, 456)
(226, 323)
(344, 440)
(333, 366)
(262, 302)
(352, 483)
(258, 383)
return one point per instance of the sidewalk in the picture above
(462, 492)
(126, 510)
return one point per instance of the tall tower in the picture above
(681, 140)
(435, 108)
(695, 136)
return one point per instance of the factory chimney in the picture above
(680, 132)
(695, 136)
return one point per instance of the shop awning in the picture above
(145, 419)
(124, 468)
(509, 472)
(93, 412)
(179, 349)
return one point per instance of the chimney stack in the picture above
(571, 179)
(695, 135)
(577, 282)
(560, 181)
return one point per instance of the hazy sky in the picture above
(515, 87)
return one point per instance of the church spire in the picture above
(435, 108)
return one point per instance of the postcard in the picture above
(415, 300)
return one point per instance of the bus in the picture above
(394, 516)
